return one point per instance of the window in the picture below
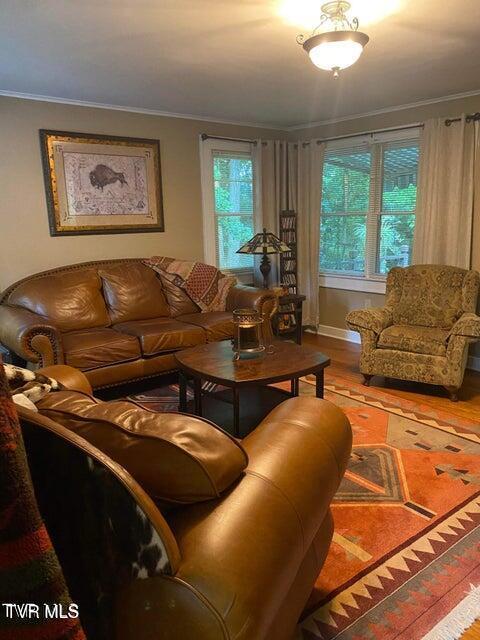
(345, 203)
(396, 217)
(228, 182)
(369, 193)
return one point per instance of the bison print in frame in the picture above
(101, 184)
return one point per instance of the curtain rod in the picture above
(417, 125)
(471, 117)
(206, 136)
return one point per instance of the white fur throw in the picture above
(28, 387)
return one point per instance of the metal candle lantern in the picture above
(248, 335)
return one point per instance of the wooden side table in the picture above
(287, 322)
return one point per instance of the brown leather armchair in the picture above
(240, 565)
(115, 320)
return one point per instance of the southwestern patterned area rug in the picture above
(405, 559)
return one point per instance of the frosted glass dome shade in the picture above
(335, 50)
(336, 55)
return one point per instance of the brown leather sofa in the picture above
(115, 320)
(240, 565)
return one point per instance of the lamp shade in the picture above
(264, 243)
(334, 50)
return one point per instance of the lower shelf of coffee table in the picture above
(255, 403)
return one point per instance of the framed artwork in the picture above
(101, 184)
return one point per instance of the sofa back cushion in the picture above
(133, 292)
(430, 296)
(176, 458)
(179, 301)
(71, 300)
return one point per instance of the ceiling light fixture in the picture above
(340, 46)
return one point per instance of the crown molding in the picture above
(376, 112)
(256, 125)
(148, 112)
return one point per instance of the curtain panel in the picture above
(443, 232)
(290, 177)
(309, 161)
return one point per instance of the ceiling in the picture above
(235, 60)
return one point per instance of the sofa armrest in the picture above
(30, 336)
(69, 377)
(265, 301)
(375, 319)
(467, 326)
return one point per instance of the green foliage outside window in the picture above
(346, 190)
(396, 238)
(233, 231)
(345, 203)
(233, 190)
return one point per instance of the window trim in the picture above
(371, 282)
(207, 148)
(352, 283)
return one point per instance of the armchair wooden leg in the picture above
(452, 392)
(366, 379)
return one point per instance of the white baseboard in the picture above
(352, 336)
(340, 334)
(473, 363)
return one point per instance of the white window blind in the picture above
(345, 205)
(368, 206)
(234, 208)
(395, 206)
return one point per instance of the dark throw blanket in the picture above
(29, 569)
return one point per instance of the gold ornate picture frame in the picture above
(97, 184)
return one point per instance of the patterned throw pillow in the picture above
(205, 285)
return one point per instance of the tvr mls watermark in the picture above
(31, 611)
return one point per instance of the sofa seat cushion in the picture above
(428, 340)
(218, 325)
(162, 334)
(176, 458)
(93, 348)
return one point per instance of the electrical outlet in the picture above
(368, 303)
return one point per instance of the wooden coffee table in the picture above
(246, 380)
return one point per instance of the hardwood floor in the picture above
(473, 633)
(344, 356)
(344, 362)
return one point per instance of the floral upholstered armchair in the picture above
(423, 331)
